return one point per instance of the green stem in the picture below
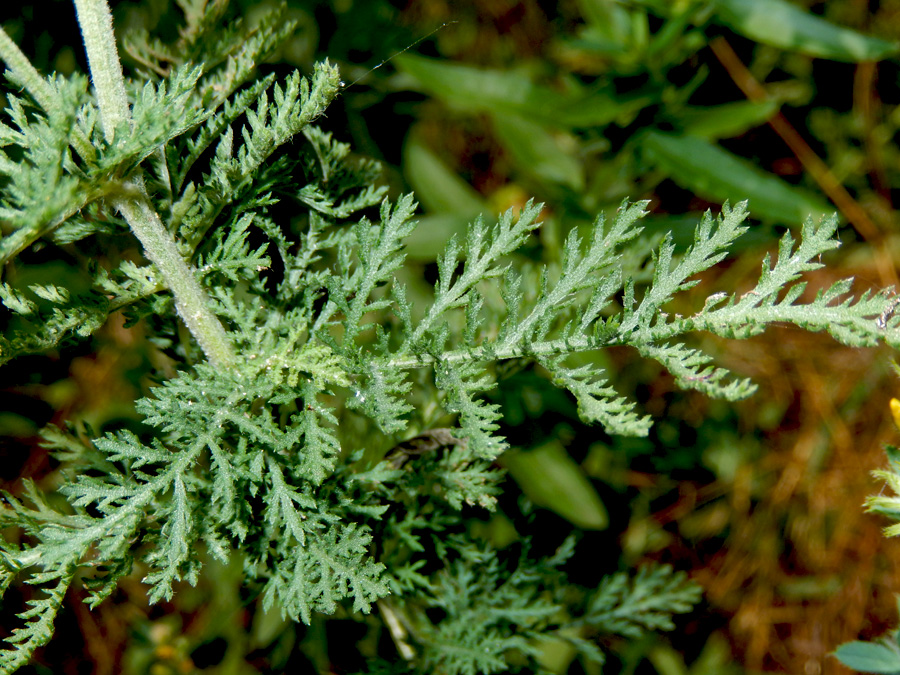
(28, 76)
(24, 73)
(191, 302)
(95, 21)
(494, 352)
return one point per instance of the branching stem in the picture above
(95, 20)
(190, 299)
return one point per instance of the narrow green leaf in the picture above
(725, 121)
(437, 188)
(607, 19)
(503, 92)
(715, 173)
(549, 477)
(451, 201)
(783, 25)
(539, 152)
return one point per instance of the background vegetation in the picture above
(762, 500)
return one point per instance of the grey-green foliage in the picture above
(495, 620)
(489, 612)
(285, 459)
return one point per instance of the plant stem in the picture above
(494, 352)
(95, 21)
(191, 302)
(28, 76)
(25, 73)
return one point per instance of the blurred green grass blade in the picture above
(667, 661)
(539, 152)
(551, 479)
(868, 657)
(725, 121)
(599, 107)
(437, 187)
(450, 202)
(430, 237)
(780, 24)
(607, 19)
(714, 173)
(501, 92)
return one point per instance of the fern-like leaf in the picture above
(628, 606)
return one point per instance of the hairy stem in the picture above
(27, 75)
(190, 300)
(491, 352)
(95, 20)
